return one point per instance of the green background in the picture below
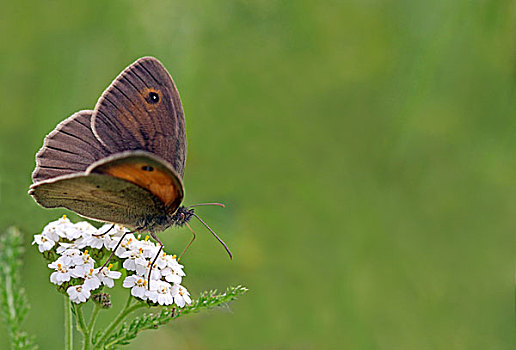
(364, 149)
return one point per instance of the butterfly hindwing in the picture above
(70, 148)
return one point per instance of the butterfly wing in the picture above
(70, 148)
(147, 171)
(122, 162)
(125, 188)
(99, 197)
(141, 110)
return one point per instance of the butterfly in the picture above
(124, 161)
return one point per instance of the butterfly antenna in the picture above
(214, 234)
(200, 204)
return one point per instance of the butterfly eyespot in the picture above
(147, 168)
(153, 97)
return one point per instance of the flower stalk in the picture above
(68, 321)
(120, 317)
(93, 320)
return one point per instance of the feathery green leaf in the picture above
(207, 300)
(13, 301)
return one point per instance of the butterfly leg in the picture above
(116, 247)
(193, 239)
(153, 235)
(102, 234)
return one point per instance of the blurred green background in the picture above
(364, 149)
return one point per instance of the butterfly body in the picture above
(161, 222)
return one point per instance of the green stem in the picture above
(81, 326)
(123, 314)
(91, 325)
(68, 324)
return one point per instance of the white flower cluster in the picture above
(71, 242)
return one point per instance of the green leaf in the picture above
(207, 300)
(13, 301)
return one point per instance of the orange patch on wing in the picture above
(157, 181)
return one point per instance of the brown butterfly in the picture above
(122, 162)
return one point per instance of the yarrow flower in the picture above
(161, 293)
(82, 274)
(91, 279)
(78, 294)
(172, 271)
(44, 243)
(70, 257)
(62, 273)
(66, 246)
(128, 243)
(62, 227)
(138, 286)
(134, 259)
(181, 295)
(108, 277)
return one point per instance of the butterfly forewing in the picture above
(148, 172)
(141, 110)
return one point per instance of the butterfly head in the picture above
(182, 216)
